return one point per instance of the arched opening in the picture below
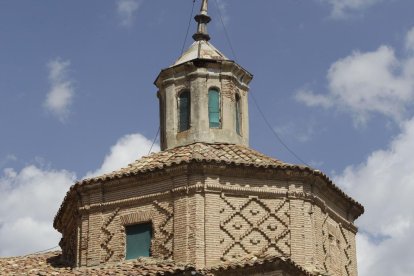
(237, 109)
(184, 107)
(214, 108)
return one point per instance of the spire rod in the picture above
(202, 19)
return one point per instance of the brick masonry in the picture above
(207, 214)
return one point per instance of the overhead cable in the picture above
(277, 136)
(153, 141)
(188, 27)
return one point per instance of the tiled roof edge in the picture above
(282, 165)
(258, 261)
(197, 160)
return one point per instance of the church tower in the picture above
(203, 95)
(207, 199)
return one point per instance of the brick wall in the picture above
(206, 214)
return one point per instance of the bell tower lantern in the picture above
(203, 95)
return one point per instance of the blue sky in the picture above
(335, 79)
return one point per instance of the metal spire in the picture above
(202, 19)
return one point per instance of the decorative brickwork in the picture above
(107, 235)
(136, 218)
(347, 249)
(206, 212)
(161, 217)
(163, 236)
(111, 233)
(337, 249)
(254, 226)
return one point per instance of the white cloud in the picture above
(384, 184)
(126, 10)
(369, 83)
(311, 99)
(343, 8)
(28, 202)
(60, 96)
(30, 198)
(126, 150)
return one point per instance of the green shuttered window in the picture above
(214, 108)
(138, 240)
(184, 108)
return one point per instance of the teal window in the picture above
(138, 240)
(214, 108)
(184, 108)
(238, 114)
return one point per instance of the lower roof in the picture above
(50, 263)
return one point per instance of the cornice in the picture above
(282, 172)
(218, 188)
(193, 69)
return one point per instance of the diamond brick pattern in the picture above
(337, 249)
(252, 226)
(165, 229)
(108, 235)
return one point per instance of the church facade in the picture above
(206, 198)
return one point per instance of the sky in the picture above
(334, 78)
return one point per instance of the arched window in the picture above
(184, 108)
(214, 108)
(238, 114)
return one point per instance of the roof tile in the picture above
(49, 264)
(228, 153)
(198, 152)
